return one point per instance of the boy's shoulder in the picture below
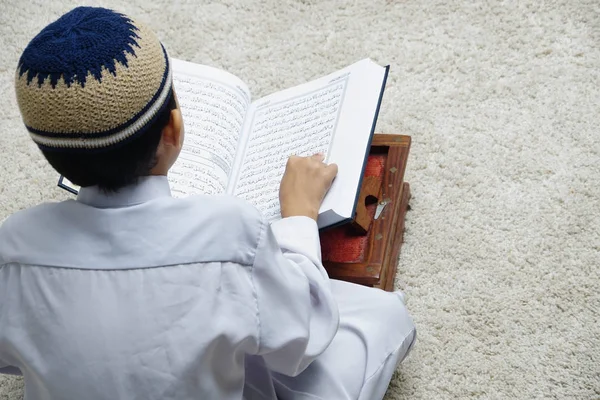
(222, 215)
(24, 226)
(222, 208)
(27, 215)
(168, 231)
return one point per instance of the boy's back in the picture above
(128, 293)
(159, 300)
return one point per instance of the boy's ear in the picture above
(172, 133)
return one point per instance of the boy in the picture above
(127, 293)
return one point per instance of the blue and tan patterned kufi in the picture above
(92, 79)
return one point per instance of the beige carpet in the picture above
(501, 265)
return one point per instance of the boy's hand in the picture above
(304, 186)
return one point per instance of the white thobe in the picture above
(138, 295)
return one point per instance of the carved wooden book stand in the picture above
(366, 250)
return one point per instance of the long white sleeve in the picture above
(298, 316)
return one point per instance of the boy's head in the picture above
(95, 92)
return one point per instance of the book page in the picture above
(334, 115)
(213, 106)
(301, 122)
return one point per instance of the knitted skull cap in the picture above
(92, 79)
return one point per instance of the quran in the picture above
(236, 146)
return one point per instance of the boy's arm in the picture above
(298, 316)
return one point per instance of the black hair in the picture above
(116, 167)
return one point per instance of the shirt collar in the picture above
(146, 189)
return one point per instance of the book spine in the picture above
(368, 149)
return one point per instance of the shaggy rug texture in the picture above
(501, 265)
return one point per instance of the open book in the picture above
(237, 146)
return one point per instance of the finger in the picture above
(331, 171)
(319, 157)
